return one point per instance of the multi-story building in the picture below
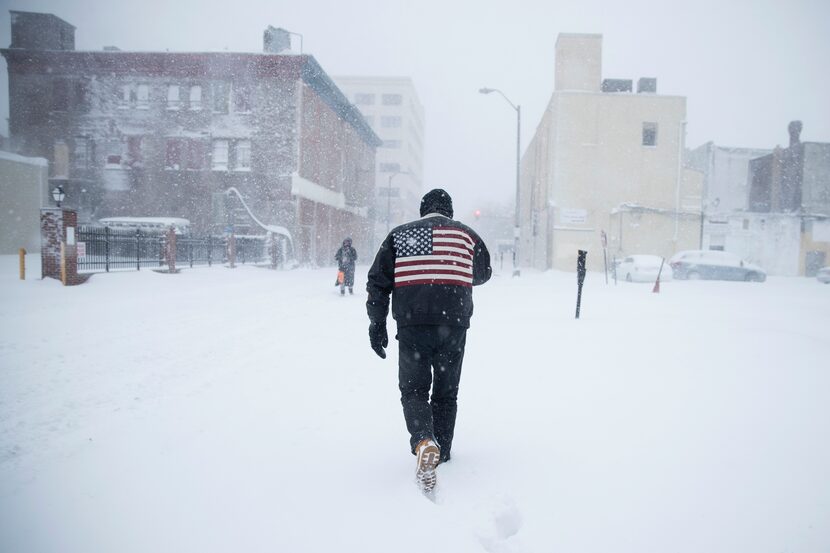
(725, 187)
(392, 108)
(605, 158)
(168, 134)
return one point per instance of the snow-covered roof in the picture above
(145, 221)
(39, 161)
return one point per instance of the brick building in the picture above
(166, 134)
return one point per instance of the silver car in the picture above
(823, 275)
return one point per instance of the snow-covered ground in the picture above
(241, 410)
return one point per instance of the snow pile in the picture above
(242, 410)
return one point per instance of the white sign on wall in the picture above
(821, 231)
(571, 216)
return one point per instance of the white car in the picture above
(823, 275)
(643, 268)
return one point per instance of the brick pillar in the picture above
(59, 227)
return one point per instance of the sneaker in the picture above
(428, 455)
(351, 290)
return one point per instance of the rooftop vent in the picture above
(616, 85)
(276, 41)
(647, 84)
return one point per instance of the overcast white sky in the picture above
(746, 67)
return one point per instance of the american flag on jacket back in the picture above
(433, 255)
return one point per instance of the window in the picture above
(113, 161)
(220, 97)
(185, 155)
(390, 167)
(219, 161)
(82, 153)
(196, 154)
(174, 160)
(369, 119)
(390, 121)
(649, 134)
(196, 98)
(134, 157)
(391, 99)
(143, 97)
(364, 99)
(242, 161)
(241, 100)
(173, 97)
(391, 143)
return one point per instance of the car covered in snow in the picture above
(823, 275)
(714, 265)
(642, 268)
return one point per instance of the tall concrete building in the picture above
(393, 110)
(605, 158)
(168, 134)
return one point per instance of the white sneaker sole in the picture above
(428, 458)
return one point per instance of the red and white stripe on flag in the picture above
(443, 255)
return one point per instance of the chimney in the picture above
(794, 129)
(41, 31)
(578, 62)
(276, 41)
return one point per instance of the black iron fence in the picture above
(103, 249)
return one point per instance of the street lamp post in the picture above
(58, 194)
(516, 230)
(389, 196)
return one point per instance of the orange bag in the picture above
(341, 276)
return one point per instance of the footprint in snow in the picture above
(503, 520)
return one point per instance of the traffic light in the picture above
(477, 214)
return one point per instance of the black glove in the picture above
(378, 338)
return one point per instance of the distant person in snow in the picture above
(429, 267)
(346, 257)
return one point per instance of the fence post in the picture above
(210, 250)
(22, 253)
(137, 249)
(190, 250)
(107, 248)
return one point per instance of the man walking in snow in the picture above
(346, 257)
(429, 266)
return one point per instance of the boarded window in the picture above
(174, 159)
(60, 96)
(391, 99)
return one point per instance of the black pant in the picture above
(348, 275)
(424, 348)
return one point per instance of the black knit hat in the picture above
(436, 201)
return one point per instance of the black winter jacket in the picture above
(346, 257)
(429, 266)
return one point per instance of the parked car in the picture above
(823, 275)
(714, 265)
(642, 268)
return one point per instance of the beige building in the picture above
(391, 107)
(24, 189)
(605, 158)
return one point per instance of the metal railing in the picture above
(108, 249)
